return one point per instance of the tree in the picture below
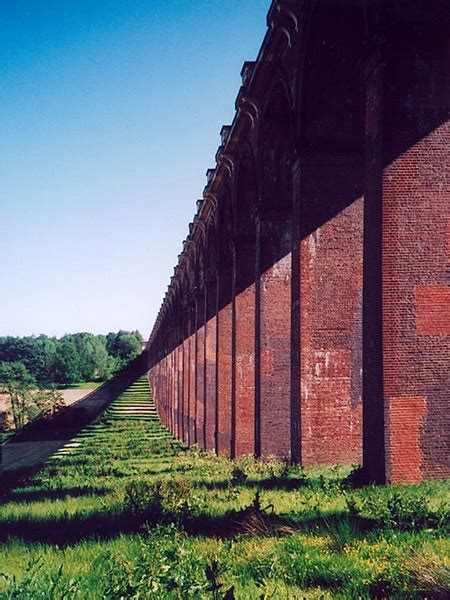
(75, 357)
(124, 345)
(48, 401)
(47, 347)
(67, 364)
(94, 358)
(35, 353)
(18, 384)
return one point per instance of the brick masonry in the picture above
(317, 324)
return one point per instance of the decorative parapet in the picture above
(225, 134)
(247, 72)
(283, 16)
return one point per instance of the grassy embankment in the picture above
(82, 385)
(125, 511)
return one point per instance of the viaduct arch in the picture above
(308, 315)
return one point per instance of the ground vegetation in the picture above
(125, 511)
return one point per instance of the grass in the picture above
(125, 511)
(5, 435)
(83, 385)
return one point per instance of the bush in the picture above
(166, 565)
(405, 510)
(164, 500)
(238, 475)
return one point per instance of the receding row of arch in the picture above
(275, 330)
(230, 336)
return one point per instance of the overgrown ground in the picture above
(126, 512)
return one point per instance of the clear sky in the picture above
(110, 112)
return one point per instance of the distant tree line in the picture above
(73, 358)
(25, 401)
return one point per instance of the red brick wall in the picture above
(416, 301)
(275, 342)
(186, 389)
(192, 390)
(174, 391)
(200, 386)
(224, 378)
(330, 341)
(372, 250)
(181, 394)
(244, 366)
(210, 382)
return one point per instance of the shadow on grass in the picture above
(270, 483)
(65, 530)
(18, 477)
(38, 495)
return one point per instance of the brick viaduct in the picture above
(308, 316)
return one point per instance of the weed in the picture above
(163, 500)
(213, 571)
(123, 523)
(404, 510)
(238, 475)
(428, 575)
(36, 586)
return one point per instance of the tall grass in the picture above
(125, 511)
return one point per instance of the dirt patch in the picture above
(70, 396)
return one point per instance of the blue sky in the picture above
(110, 113)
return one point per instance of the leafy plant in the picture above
(35, 586)
(213, 571)
(238, 475)
(399, 509)
(163, 500)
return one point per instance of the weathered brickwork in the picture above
(200, 397)
(244, 368)
(210, 384)
(275, 365)
(331, 340)
(224, 378)
(308, 317)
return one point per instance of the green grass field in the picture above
(124, 511)
(5, 435)
(83, 385)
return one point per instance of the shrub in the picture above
(163, 500)
(405, 510)
(238, 475)
(166, 565)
